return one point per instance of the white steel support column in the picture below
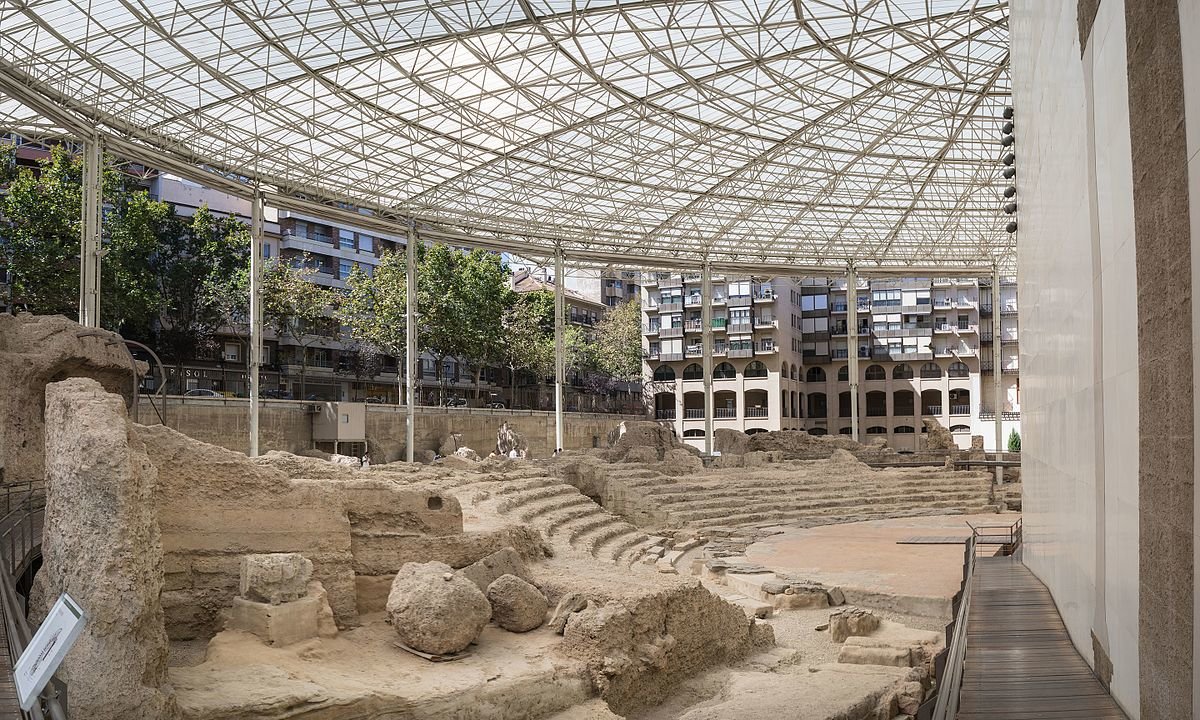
(706, 352)
(997, 378)
(90, 250)
(560, 364)
(256, 313)
(852, 345)
(410, 341)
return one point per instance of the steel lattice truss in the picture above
(801, 131)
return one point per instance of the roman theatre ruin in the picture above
(635, 580)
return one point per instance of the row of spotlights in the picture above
(1010, 171)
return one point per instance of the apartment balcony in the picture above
(650, 329)
(664, 414)
(693, 325)
(693, 351)
(693, 413)
(1010, 371)
(840, 353)
(968, 328)
(670, 307)
(739, 301)
(764, 296)
(904, 331)
(943, 304)
(986, 367)
(718, 323)
(766, 348)
(720, 350)
(670, 332)
(985, 310)
(960, 409)
(741, 353)
(942, 282)
(765, 323)
(718, 300)
(1008, 310)
(931, 410)
(1007, 339)
(989, 414)
(670, 357)
(839, 307)
(694, 301)
(907, 356)
(943, 328)
(838, 330)
(725, 413)
(918, 309)
(652, 279)
(740, 327)
(757, 412)
(985, 337)
(652, 355)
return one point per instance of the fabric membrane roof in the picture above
(812, 132)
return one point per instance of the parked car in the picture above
(454, 401)
(277, 394)
(375, 400)
(202, 392)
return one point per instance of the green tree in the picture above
(1014, 441)
(295, 306)
(41, 242)
(528, 343)
(374, 308)
(617, 347)
(482, 285)
(439, 303)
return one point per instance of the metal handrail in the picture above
(18, 531)
(950, 685)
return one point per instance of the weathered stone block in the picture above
(517, 606)
(485, 571)
(278, 624)
(275, 577)
(851, 621)
(435, 610)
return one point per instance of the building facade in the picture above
(781, 356)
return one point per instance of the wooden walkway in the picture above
(1020, 662)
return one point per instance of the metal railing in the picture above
(756, 412)
(949, 683)
(20, 534)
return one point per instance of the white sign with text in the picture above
(46, 650)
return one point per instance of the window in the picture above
(814, 302)
(903, 430)
(693, 372)
(818, 431)
(346, 239)
(877, 430)
(844, 404)
(960, 428)
(795, 372)
(345, 267)
(815, 374)
(694, 432)
(724, 371)
(844, 374)
(876, 372)
(755, 370)
(876, 403)
(817, 406)
(902, 372)
(664, 373)
(903, 403)
(232, 352)
(267, 250)
(931, 371)
(959, 370)
(846, 431)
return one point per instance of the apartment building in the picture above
(781, 355)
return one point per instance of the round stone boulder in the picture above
(435, 610)
(517, 606)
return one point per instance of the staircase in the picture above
(722, 502)
(567, 518)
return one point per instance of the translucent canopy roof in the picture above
(808, 132)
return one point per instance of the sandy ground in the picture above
(865, 555)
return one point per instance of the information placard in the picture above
(46, 650)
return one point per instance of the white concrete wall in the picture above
(1078, 314)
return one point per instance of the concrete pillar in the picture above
(256, 313)
(706, 350)
(410, 340)
(852, 345)
(559, 350)
(90, 250)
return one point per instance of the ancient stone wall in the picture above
(102, 545)
(34, 351)
(216, 505)
(284, 425)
